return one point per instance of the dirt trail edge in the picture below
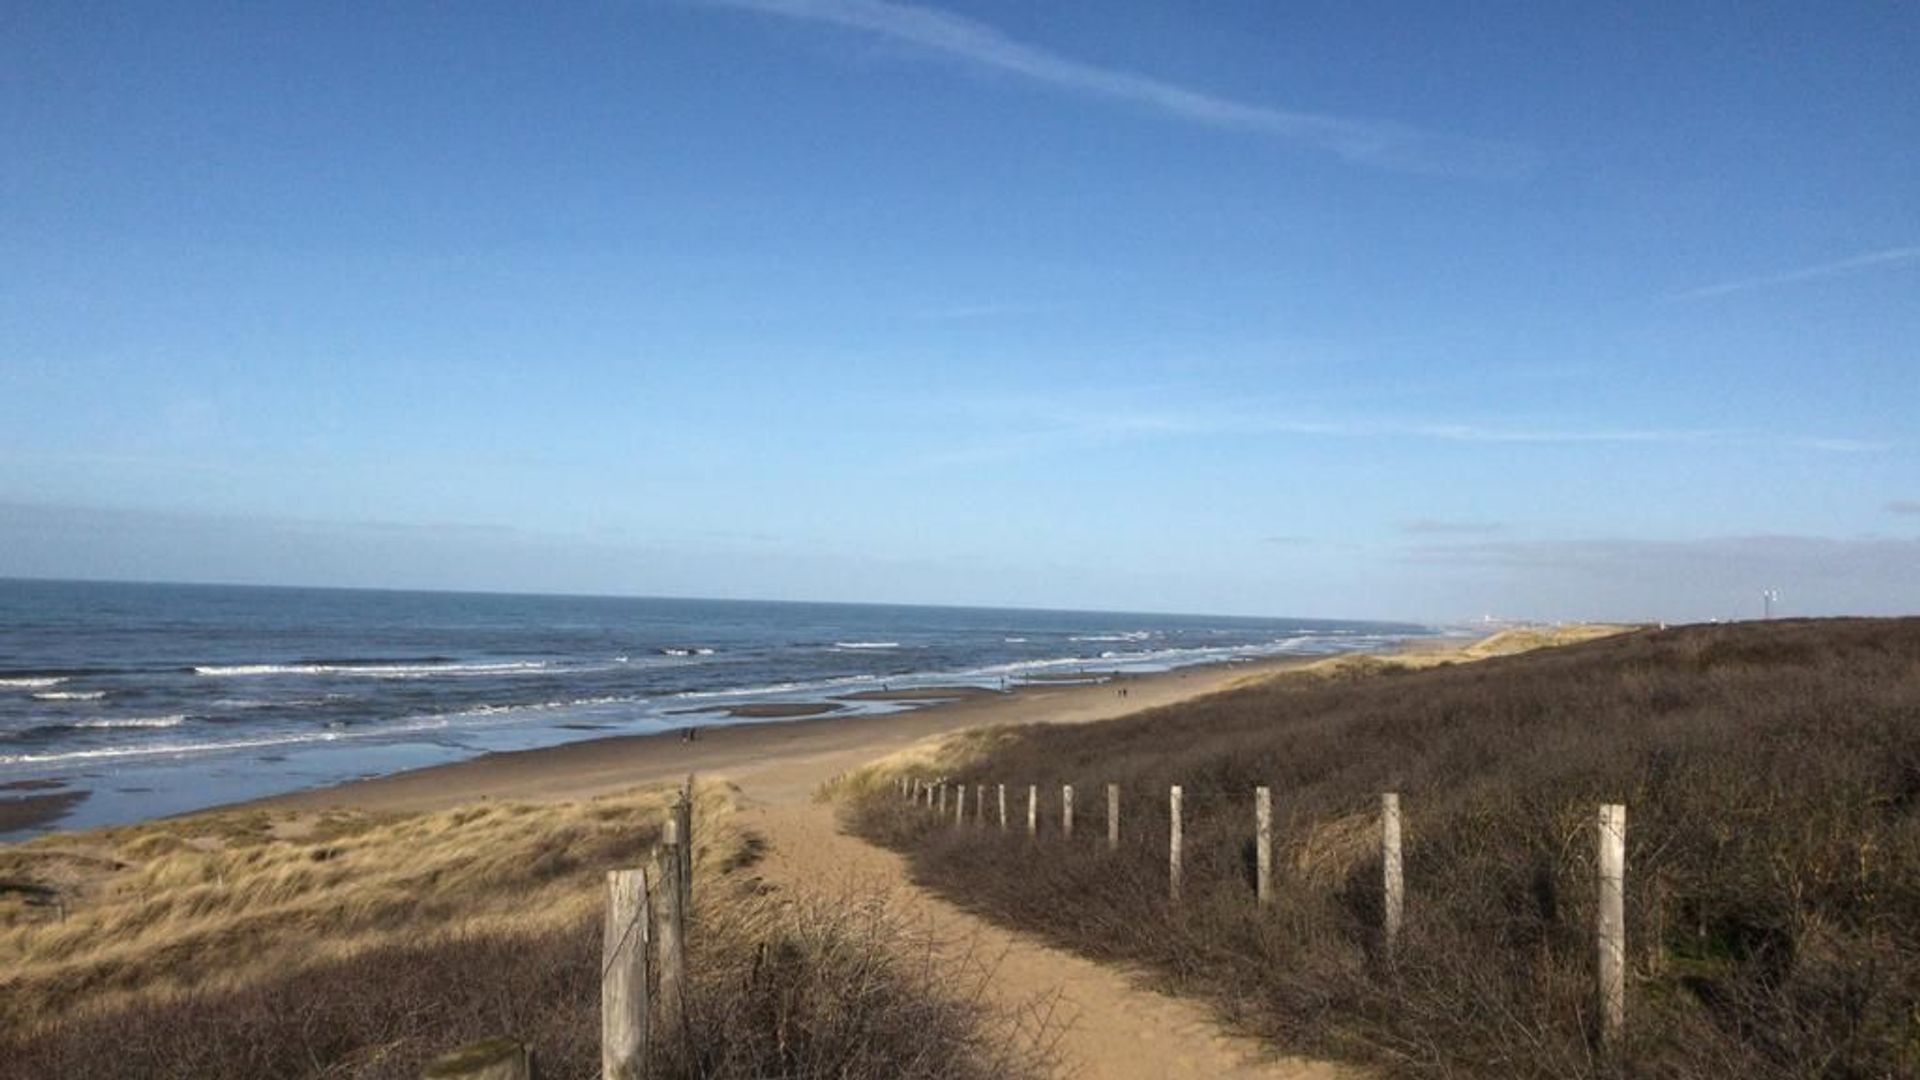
(1099, 1024)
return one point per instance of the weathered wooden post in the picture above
(623, 978)
(1033, 810)
(1393, 885)
(1113, 817)
(1173, 843)
(959, 805)
(672, 931)
(489, 1059)
(1263, 844)
(680, 834)
(1611, 931)
(942, 810)
(1066, 811)
(927, 790)
(979, 804)
(1003, 808)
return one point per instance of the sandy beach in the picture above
(772, 761)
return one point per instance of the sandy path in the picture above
(1105, 1026)
(1102, 1023)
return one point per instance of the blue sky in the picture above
(1556, 311)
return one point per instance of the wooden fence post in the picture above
(489, 1059)
(672, 930)
(959, 805)
(1066, 811)
(927, 790)
(1173, 843)
(1263, 844)
(682, 837)
(623, 977)
(1392, 883)
(1611, 931)
(1113, 817)
(979, 804)
(942, 811)
(1033, 810)
(1003, 808)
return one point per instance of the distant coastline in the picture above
(120, 702)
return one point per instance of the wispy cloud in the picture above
(1891, 258)
(1364, 141)
(1904, 506)
(1023, 429)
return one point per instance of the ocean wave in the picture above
(771, 689)
(70, 695)
(30, 682)
(132, 721)
(866, 644)
(533, 707)
(276, 703)
(1131, 635)
(395, 729)
(166, 749)
(691, 650)
(1015, 640)
(372, 671)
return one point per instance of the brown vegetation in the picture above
(256, 943)
(1772, 777)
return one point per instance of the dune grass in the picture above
(336, 944)
(147, 906)
(1772, 777)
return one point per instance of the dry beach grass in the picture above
(1772, 777)
(340, 943)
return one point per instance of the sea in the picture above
(141, 700)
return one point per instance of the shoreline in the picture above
(591, 767)
(762, 747)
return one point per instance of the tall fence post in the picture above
(1393, 885)
(942, 810)
(1263, 844)
(959, 805)
(623, 977)
(1003, 808)
(1611, 931)
(979, 804)
(927, 790)
(1113, 817)
(1066, 811)
(1173, 843)
(1033, 810)
(682, 835)
(672, 931)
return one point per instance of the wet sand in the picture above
(920, 693)
(775, 751)
(27, 811)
